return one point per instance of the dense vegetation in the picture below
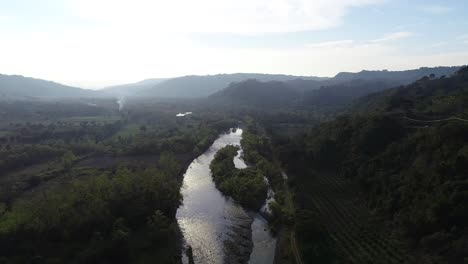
(317, 96)
(108, 217)
(83, 181)
(258, 151)
(91, 185)
(413, 173)
(247, 186)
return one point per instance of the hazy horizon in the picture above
(93, 44)
(114, 84)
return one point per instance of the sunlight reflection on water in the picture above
(208, 219)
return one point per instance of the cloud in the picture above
(218, 16)
(126, 41)
(103, 58)
(393, 36)
(439, 44)
(463, 38)
(331, 44)
(436, 9)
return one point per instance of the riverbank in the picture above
(218, 229)
(247, 186)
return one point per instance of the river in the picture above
(217, 228)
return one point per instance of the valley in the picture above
(233, 132)
(374, 175)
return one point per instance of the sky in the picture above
(97, 43)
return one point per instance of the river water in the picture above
(217, 228)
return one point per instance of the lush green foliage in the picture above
(247, 186)
(413, 173)
(138, 203)
(81, 185)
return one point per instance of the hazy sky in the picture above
(93, 43)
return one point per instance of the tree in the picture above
(120, 231)
(67, 160)
(158, 224)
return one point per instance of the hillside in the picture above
(256, 93)
(201, 86)
(430, 97)
(405, 77)
(300, 94)
(320, 95)
(399, 184)
(343, 87)
(132, 88)
(20, 86)
(337, 96)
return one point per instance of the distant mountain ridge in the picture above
(132, 88)
(404, 76)
(437, 97)
(255, 93)
(18, 86)
(194, 86)
(201, 86)
(330, 94)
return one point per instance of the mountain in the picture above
(405, 77)
(305, 94)
(16, 86)
(256, 93)
(342, 87)
(437, 97)
(323, 94)
(200, 86)
(405, 150)
(337, 95)
(132, 88)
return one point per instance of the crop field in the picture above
(359, 236)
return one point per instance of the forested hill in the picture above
(132, 88)
(344, 86)
(321, 95)
(20, 86)
(298, 94)
(255, 93)
(201, 86)
(413, 172)
(432, 97)
(400, 76)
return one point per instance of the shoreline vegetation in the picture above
(63, 210)
(246, 186)
(372, 177)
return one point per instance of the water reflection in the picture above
(208, 219)
(184, 114)
(217, 228)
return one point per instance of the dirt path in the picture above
(295, 249)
